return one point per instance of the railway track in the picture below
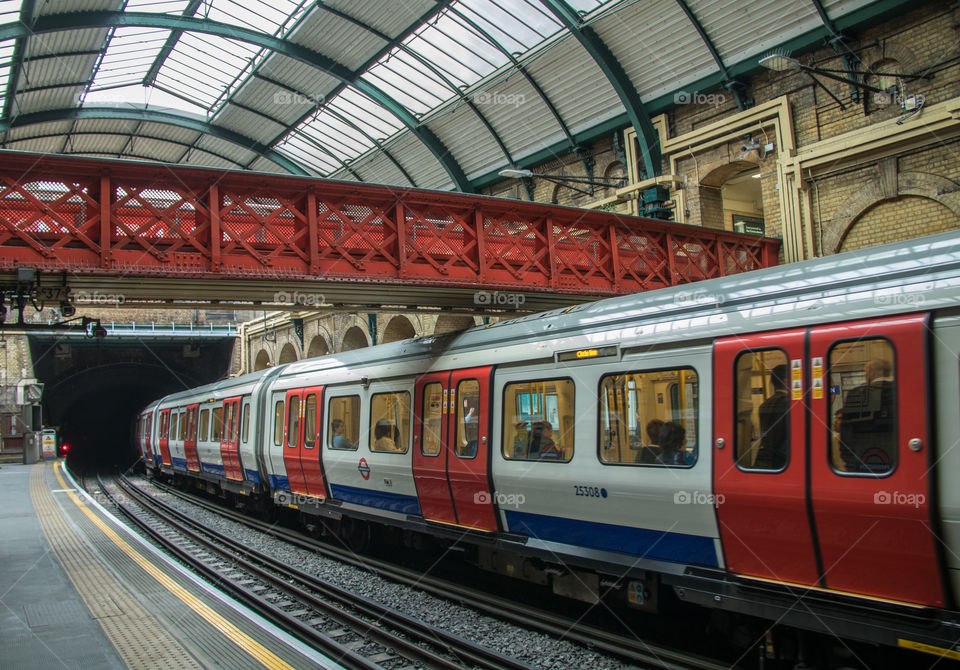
(353, 632)
(642, 653)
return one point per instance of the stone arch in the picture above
(714, 203)
(920, 184)
(262, 361)
(399, 328)
(318, 347)
(288, 354)
(354, 338)
(873, 227)
(451, 323)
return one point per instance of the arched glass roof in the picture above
(434, 93)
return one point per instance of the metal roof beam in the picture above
(647, 136)
(19, 51)
(147, 115)
(114, 19)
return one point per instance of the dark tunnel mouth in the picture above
(94, 395)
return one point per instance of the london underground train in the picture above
(781, 444)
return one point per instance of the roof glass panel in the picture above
(306, 152)
(157, 6)
(129, 56)
(9, 11)
(365, 114)
(275, 17)
(6, 62)
(203, 66)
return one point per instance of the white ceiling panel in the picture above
(420, 164)
(337, 38)
(105, 126)
(198, 157)
(370, 12)
(38, 129)
(299, 77)
(378, 169)
(565, 75)
(516, 112)
(46, 145)
(71, 6)
(85, 144)
(41, 101)
(740, 30)
(666, 54)
(471, 144)
(156, 149)
(267, 165)
(67, 41)
(169, 132)
(248, 123)
(275, 101)
(53, 70)
(226, 149)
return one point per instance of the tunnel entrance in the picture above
(93, 389)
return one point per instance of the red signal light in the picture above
(65, 448)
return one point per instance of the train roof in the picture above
(919, 274)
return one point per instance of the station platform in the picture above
(80, 589)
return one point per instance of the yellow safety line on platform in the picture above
(234, 634)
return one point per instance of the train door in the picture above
(292, 438)
(452, 462)
(164, 435)
(429, 454)
(760, 463)
(190, 439)
(310, 451)
(230, 439)
(147, 451)
(872, 458)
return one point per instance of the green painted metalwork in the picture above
(115, 19)
(149, 115)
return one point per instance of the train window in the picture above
(468, 421)
(204, 425)
(344, 422)
(216, 424)
(173, 426)
(649, 418)
(538, 420)
(432, 417)
(182, 432)
(310, 422)
(293, 421)
(245, 422)
(863, 407)
(762, 423)
(389, 422)
(278, 424)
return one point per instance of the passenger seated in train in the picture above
(651, 453)
(672, 436)
(866, 421)
(773, 412)
(339, 441)
(467, 448)
(541, 442)
(387, 436)
(520, 437)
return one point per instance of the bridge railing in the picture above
(92, 216)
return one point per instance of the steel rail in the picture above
(290, 579)
(633, 649)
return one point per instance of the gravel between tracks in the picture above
(534, 648)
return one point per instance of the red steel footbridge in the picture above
(144, 233)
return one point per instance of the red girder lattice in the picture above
(78, 215)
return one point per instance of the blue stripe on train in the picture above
(279, 483)
(252, 476)
(393, 502)
(213, 469)
(653, 544)
(179, 463)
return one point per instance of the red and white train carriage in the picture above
(855, 512)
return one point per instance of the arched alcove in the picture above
(288, 354)
(919, 216)
(731, 196)
(399, 328)
(262, 361)
(318, 347)
(354, 338)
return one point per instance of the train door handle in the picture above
(915, 444)
(721, 443)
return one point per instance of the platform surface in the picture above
(78, 589)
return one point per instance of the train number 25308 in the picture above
(590, 491)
